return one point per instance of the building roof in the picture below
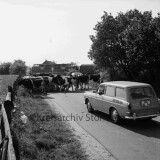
(87, 64)
(48, 62)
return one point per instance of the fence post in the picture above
(10, 149)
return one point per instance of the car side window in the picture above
(120, 93)
(110, 91)
(101, 89)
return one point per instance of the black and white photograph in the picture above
(79, 80)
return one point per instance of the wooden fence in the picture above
(5, 132)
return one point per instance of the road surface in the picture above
(127, 141)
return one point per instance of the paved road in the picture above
(128, 141)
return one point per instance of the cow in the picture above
(73, 82)
(33, 84)
(48, 82)
(83, 81)
(96, 78)
(61, 82)
(27, 84)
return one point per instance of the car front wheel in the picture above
(89, 107)
(115, 116)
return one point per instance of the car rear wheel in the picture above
(89, 107)
(115, 116)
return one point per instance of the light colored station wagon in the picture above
(124, 99)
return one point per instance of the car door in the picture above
(98, 97)
(108, 98)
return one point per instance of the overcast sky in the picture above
(39, 30)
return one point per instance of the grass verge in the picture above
(42, 137)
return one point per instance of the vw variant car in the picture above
(124, 99)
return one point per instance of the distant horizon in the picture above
(48, 60)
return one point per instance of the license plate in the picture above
(145, 103)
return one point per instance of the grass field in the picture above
(41, 138)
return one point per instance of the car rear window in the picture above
(120, 93)
(141, 92)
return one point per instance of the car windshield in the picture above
(141, 92)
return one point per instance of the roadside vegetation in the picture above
(42, 137)
(128, 46)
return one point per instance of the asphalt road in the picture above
(128, 141)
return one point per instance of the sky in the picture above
(56, 30)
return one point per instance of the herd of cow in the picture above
(45, 83)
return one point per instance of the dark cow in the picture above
(33, 83)
(96, 78)
(83, 81)
(27, 84)
(65, 82)
(73, 82)
(61, 82)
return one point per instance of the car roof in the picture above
(125, 83)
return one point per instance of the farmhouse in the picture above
(50, 67)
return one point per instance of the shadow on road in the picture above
(70, 91)
(149, 128)
(37, 96)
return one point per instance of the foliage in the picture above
(128, 44)
(18, 67)
(4, 68)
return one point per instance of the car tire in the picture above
(89, 107)
(115, 116)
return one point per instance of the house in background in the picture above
(49, 67)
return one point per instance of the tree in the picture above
(4, 68)
(18, 67)
(128, 43)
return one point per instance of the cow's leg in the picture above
(57, 87)
(80, 86)
(71, 86)
(60, 88)
(30, 92)
(76, 87)
(65, 88)
(85, 85)
(68, 86)
(44, 92)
